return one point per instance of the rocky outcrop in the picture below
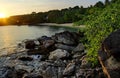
(43, 45)
(59, 56)
(66, 38)
(109, 55)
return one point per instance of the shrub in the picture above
(99, 27)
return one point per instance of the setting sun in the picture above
(2, 15)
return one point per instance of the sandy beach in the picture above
(65, 24)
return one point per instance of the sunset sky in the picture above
(16, 7)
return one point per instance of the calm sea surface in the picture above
(10, 36)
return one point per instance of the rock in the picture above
(7, 72)
(24, 67)
(69, 70)
(60, 63)
(64, 47)
(20, 73)
(66, 37)
(33, 52)
(111, 44)
(43, 51)
(45, 69)
(37, 43)
(43, 38)
(25, 58)
(109, 55)
(78, 55)
(80, 48)
(50, 72)
(58, 54)
(48, 43)
(33, 76)
(85, 63)
(30, 44)
(43, 60)
(40, 51)
(89, 73)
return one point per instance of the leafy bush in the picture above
(99, 27)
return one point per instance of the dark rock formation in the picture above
(59, 56)
(109, 55)
(66, 37)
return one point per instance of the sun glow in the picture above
(2, 15)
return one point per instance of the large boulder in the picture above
(111, 45)
(109, 55)
(68, 38)
(58, 54)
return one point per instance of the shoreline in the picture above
(54, 24)
(62, 53)
(64, 25)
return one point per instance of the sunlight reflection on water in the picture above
(10, 36)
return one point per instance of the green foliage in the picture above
(67, 15)
(99, 4)
(99, 26)
(107, 2)
(90, 14)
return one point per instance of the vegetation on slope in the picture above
(99, 25)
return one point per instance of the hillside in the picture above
(98, 26)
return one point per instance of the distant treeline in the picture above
(67, 15)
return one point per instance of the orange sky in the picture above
(16, 7)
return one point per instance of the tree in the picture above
(107, 2)
(99, 4)
(113, 1)
(33, 13)
(76, 7)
